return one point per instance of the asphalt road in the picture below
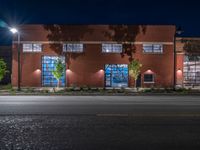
(100, 122)
(101, 105)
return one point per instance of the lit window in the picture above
(111, 48)
(73, 48)
(148, 78)
(48, 66)
(32, 47)
(152, 48)
(191, 70)
(116, 75)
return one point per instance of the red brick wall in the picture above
(85, 68)
(179, 68)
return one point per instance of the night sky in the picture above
(184, 14)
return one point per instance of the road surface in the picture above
(100, 122)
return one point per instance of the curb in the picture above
(100, 94)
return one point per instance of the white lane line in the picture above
(149, 115)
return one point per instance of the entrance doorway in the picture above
(138, 81)
(116, 75)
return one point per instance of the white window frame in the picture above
(154, 48)
(153, 81)
(32, 47)
(111, 48)
(73, 47)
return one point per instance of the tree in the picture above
(59, 70)
(69, 33)
(192, 47)
(134, 69)
(3, 69)
(125, 34)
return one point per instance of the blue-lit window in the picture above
(48, 65)
(152, 48)
(111, 48)
(71, 47)
(116, 75)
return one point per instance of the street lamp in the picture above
(178, 31)
(15, 31)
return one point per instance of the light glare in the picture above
(13, 30)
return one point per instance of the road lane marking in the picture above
(149, 115)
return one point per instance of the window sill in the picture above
(111, 52)
(32, 52)
(72, 52)
(149, 82)
(153, 53)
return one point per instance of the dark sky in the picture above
(181, 13)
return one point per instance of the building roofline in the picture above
(93, 24)
(189, 38)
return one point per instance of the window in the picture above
(152, 48)
(73, 48)
(32, 47)
(191, 70)
(148, 78)
(111, 48)
(48, 65)
(116, 75)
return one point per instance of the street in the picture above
(100, 122)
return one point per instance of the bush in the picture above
(69, 89)
(6, 87)
(30, 90)
(147, 90)
(181, 90)
(101, 90)
(45, 90)
(3, 69)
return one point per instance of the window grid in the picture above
(148, 78)
(32, 47)
(48, 65)
(116, 75)
(191, 70)
(73, 47)
(112, 48)
(152, 48)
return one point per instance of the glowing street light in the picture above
(15, 31)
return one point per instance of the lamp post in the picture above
(178, 31)
(15, 31)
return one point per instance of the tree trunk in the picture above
(135, 83)
(58, 84)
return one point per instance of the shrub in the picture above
(6, 87)
(3, 69)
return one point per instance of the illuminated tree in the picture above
(134, 69)
(59, 70)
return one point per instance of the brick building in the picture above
(95, 55)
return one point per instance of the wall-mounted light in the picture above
(149, 71)
(179, 71)
(68, 70)
(37, 70)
